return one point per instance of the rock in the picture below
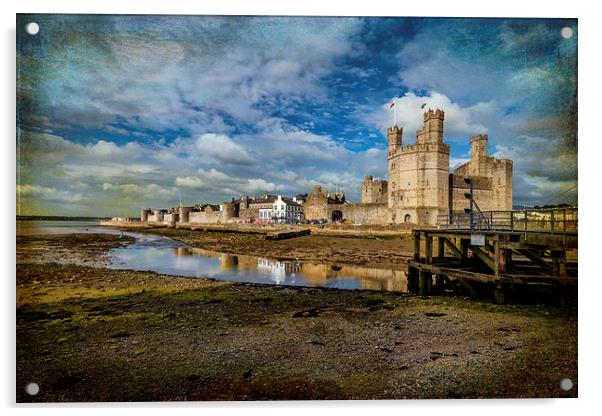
(248, 374)
(507, 329)
(435, 314)
(307, 313)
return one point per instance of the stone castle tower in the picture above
(374, 191)
(418, 173)
(492, 180)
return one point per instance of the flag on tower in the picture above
(392, 104)
(423, 105)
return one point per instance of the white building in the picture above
(283, 210)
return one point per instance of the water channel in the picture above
(166, 256)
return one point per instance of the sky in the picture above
(118, 113)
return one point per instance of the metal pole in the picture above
(471, 209)
(525, 225)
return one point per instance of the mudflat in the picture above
(88, 333)
(370, 250)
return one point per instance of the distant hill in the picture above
(519, 207)
(57, 218)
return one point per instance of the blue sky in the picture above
(116, 113)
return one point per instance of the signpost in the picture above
(477, 239)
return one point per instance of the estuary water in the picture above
(164, 255)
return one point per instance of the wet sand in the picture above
(92, 334)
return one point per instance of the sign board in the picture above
(477, 239)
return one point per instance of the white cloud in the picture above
(255, 186)
(459, 121)
(224, 149)
(190, 182)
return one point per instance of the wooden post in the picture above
(428, 248)
(441, 247)
(412, 280)
(440, 281)
(509, 265)
(501, 294)
(425, 283)
(558, 262)
(500, 256)
(416, 245)
(464, 251)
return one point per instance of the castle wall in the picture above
(171, 218)
(201, 217)
(365, 214)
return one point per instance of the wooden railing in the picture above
(556, 220)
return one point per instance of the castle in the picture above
(420, 188)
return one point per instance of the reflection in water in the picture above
(163, 255)
(289, 272)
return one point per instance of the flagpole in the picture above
(395, 113)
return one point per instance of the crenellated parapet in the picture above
(420, 147)
(433, 114)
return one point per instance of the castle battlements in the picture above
(420, 147)
(430, 114)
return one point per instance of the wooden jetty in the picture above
(501, 251)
